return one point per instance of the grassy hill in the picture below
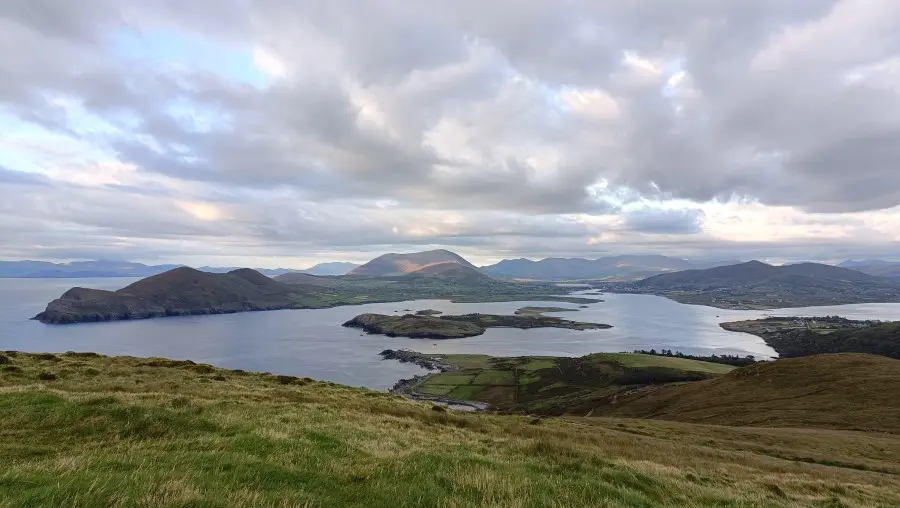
(840, 391)
(813, 336)
(89, 431)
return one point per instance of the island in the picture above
(457, 327)
(541, 310)
(804, 336)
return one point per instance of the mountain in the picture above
(842, 391)
(178, 292)
(621, 267)
(450, 271)
(334, 268)
(874, 267)
(756, 285)
(390, 265)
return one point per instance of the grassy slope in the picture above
(139, 432)
(555, 386)
(686, 364)
(846, 391)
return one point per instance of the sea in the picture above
(313, 343)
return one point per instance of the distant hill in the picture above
(628, 267)
(390, 265)
(756, 285)
(874, 267)
(334, 268)
(840, 391)
(78, 269)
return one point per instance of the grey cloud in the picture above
(665, 222)
(12, 177)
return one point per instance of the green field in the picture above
(86, 431)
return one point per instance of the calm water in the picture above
(312, 342)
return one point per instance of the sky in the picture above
(281, 133)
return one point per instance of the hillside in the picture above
(89, 431)
(332, 268)
(840, 391)
(306, 278)
(759, 285)
(388, 265)
(800, 336)
(627, 267)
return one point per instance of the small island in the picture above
(428, 312)
(457, 327)
(536, 311)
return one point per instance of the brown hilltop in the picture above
(390, 265)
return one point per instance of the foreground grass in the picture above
(87, 431)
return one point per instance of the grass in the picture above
(131, 432)
(841, 391)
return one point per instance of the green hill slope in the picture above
(81, 431)
(841, 391)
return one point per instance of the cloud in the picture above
(665, 222)
(202, 128)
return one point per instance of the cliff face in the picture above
(84, 305)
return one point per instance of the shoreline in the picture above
(436, 365)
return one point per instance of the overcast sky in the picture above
(279, 133)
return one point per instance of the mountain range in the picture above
(107, 268)
(627, 267)
(877, 267)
